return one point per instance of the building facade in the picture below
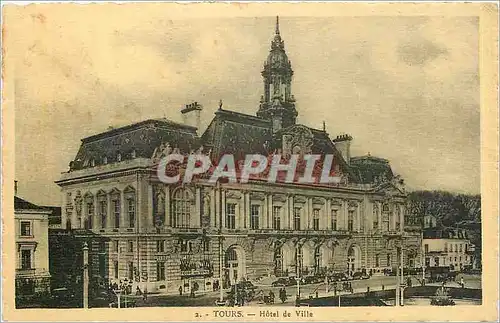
(32, 262)
(445, 247)
(170, 235)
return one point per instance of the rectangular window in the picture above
(103, 213)
(115, 269)
(254, 217)
(296, 218)
(131, 270)
(315, 219)
(160, 270)
(460, 248)
(116, 213)
(160, 246)
(26, 259)
(427, 262)
(334, 219)
(131, 212)
(445, 247)
(185, 246)
(115, 245)
(436, 261)
(131, 246)
(350, 220)
(231, 216)
(25, 229)
(388, 259)
(426, 248)
(276, 217)
(377, 261)
(456, 247)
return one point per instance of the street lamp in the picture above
(85, 275)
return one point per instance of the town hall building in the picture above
(171, 235)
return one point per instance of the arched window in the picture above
(182, 201)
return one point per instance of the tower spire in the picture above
(278, 103)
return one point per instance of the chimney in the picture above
(191, 114)
(343, 145)
(15, 188)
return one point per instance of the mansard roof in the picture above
(371, 169)
(137, 140)
(236, 133)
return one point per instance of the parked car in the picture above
(247, 285)
(360, 275)
(282, 282)
(63, 297)
(337, 277)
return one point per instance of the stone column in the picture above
(217, 212)
(309, 213)
(393, 219)
(110, 212)
(247, 210)
(379, 214)
(168, 220)
(284, 214)
(84, 213)
(213, 221)
(328, 216)
(291, 213)
(270, 211)
(358, 217)
(223, 192)
(96, 221)
(123, 210)
(196, 220)
(265, 213)
(240, 220)
(402, 214)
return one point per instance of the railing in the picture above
(196, 272)
(300, 232)
(25, 271)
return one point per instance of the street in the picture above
(374, 283)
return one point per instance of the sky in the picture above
(405, 88)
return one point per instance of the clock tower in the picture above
(277, 103)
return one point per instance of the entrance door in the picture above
(232, 266)
(352, 260)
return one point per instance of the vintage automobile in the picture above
(284, 281)
(360, 275)
(337, 277)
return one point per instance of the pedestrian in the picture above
(462, 283)
(192, 292)
(180, 290)
(145, 294)
(271, 297)
(283, 295)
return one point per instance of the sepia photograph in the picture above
(252, 164)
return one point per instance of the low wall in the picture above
(373, 298)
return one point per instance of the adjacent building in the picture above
(32, 262)
(446, 247)
(187, 235)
